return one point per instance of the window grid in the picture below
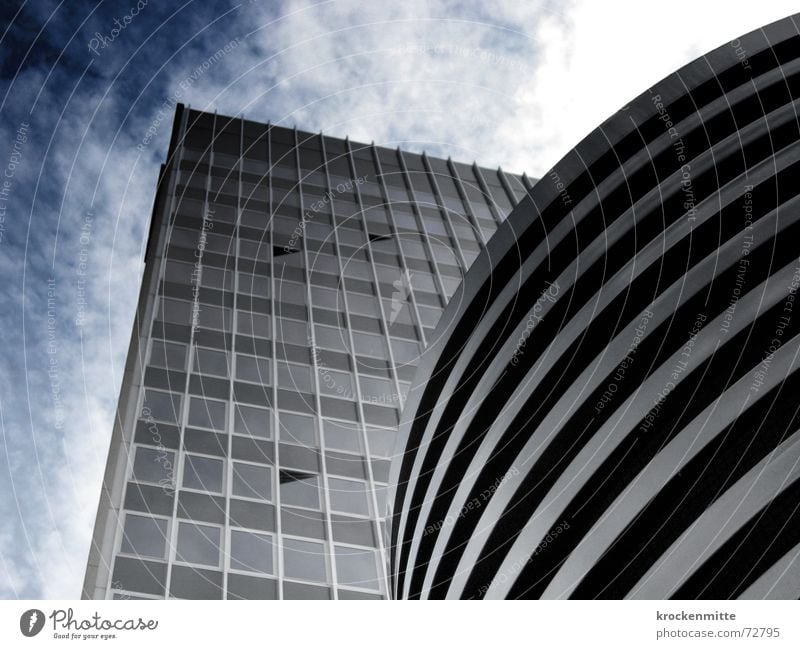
(403, 263)
(444, 214)
(223, 179)
(226, 530)
(421, 225)
(328, 543)
(482, 241)
(274, 390)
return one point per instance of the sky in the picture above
(87, 92)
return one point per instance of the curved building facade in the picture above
(610, 407)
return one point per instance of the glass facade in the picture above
(295, 282)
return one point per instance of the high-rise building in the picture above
(292, 282)
(611, 409)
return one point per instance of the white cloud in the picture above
(600, 55)
(505, 83)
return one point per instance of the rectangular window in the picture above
(162, 406)
(253, 324)
(423, 282)
(214, 317)
(174, 311)
(198, 544)
(304, 560)
(252, 481)
(290, 292)
(381, 441)
(369, 345)
(397, 310)
(342, 436)
(291, 332)
(180, 273)
(300, 489)
(350, 237)
(155, 465)
(253, 284)
(356, 269)
(210, 362)
(327, 298)
(429, 315)
(207, 413)
(363, 305)
(336, 384)
(294, 377)
(348, 496)
(202, 473)
(331, 337)
(297, 429)
(252, 421)
(356, 567)
(413, 249)
(168, 355)
(254, 249)
(375, 390)
(405, 351)
(450, 284)
(251, 368)
(252, 552)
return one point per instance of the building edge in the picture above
(101, 550)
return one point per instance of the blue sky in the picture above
(505, 83)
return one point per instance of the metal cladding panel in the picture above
(610, 406)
